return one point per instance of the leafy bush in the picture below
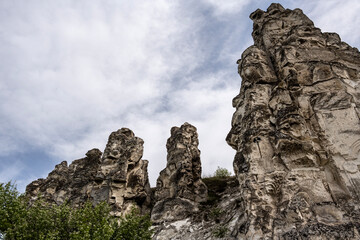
(222, 172)
(41, 220)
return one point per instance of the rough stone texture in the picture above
(296, 131)
(123, 173)
(119, 176)
(218, 217)
(73, 182)
(179, 187)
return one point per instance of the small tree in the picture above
(222, 172)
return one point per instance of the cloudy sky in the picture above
(72, 72)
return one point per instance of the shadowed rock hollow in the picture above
(296, 132)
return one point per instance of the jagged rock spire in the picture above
(122, 173)
(179, 187)
(296, 130)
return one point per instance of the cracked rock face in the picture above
(119, 176)
(179, 187)
(296, 130)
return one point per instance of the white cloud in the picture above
(227, 6)
(74, 71)
(78, 67)
(78, 70)
(340, 16)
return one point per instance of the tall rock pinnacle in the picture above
(296, 131)
(179, 186)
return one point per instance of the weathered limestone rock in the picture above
(296, 131)
(123, 174)
(73, 182)
(179, 187)
(217, 218)
(118, 177)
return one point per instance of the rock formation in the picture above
(296, 131)
(72, 183)
(179, 187)
(119, 176)
(188, 207)
(217, 218)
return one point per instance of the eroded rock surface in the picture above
(179, 187)
(119, 176)
(217, 218)
(123, 173)
(296, 131)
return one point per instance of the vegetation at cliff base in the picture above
(41, 220)
(222, 172)
(217, 183)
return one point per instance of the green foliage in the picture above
(215, 212)
(134, 226)
(217, 185)
(12, 208)
(41, 220)
(89, 222)
(222, 172)
(220, 231)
